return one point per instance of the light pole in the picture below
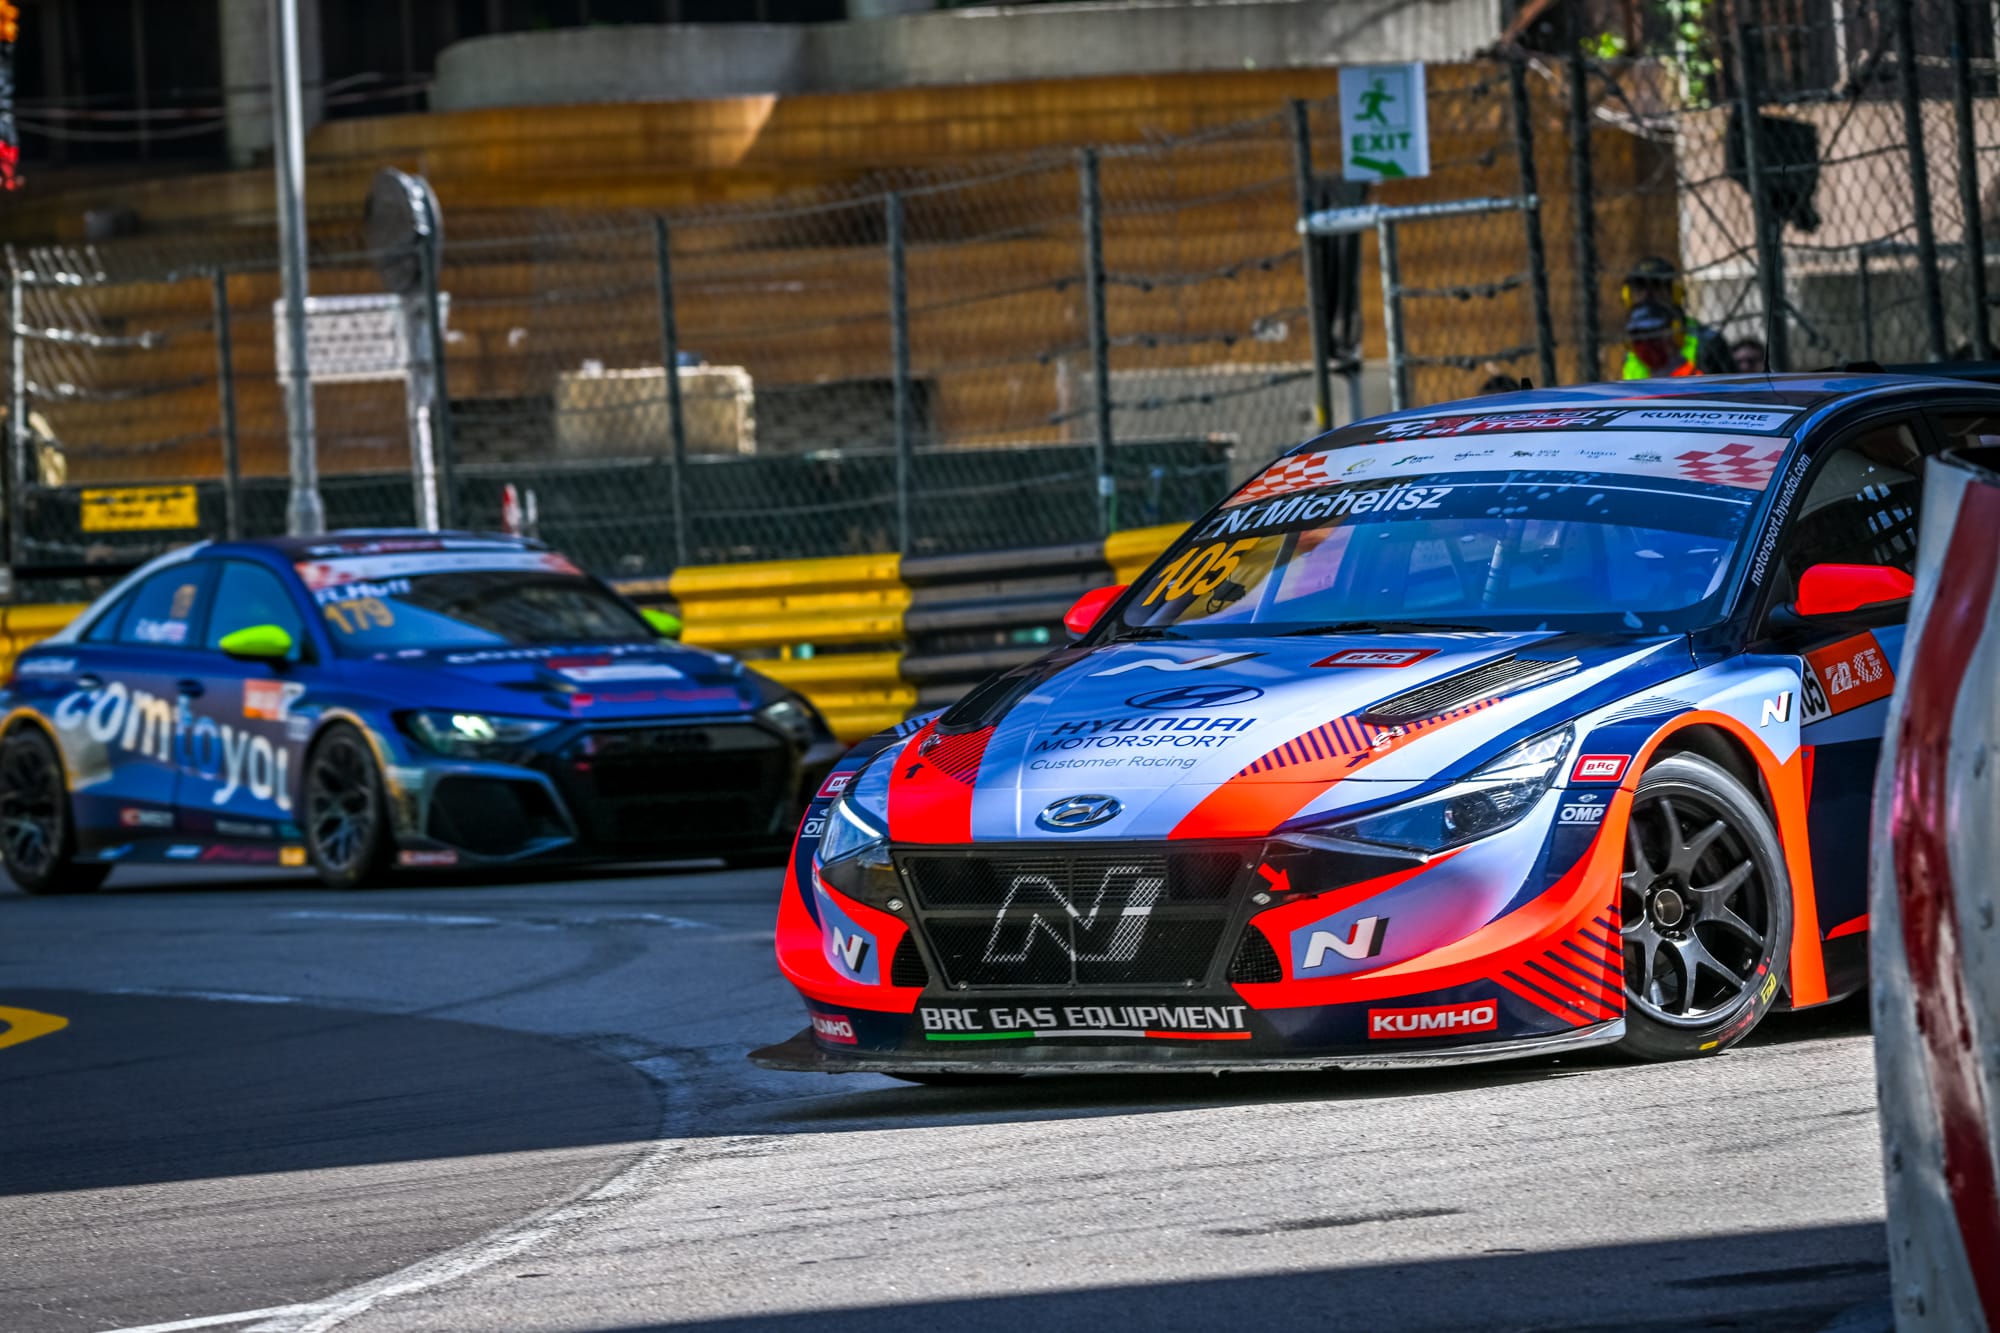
(305, 515)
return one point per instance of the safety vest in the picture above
(1635, 369)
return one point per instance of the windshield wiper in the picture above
(1386, 627)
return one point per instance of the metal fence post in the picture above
(1770, 241)
(1968, 179)
(1100, 341)
(14, 475)
(1583, 203)
(1531, 219)
(670, 363)
(1867, 301)
(899, 352)
(1316, 312)
(225, 399)
(431, 252)
(1920, 179)
(1392, 313)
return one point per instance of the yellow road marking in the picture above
(25, 1025)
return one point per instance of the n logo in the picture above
(1363, 941)
(1171, 664)
(1777, 710)
(853, 949)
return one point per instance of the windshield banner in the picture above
(319, 574)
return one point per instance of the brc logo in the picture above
(834, 1027)
(835, 784)
(1599, 767)
(1376, 657)
(1439, 1020)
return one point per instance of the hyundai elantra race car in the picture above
(1520, 725)
(369, 701)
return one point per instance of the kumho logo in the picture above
(1438, 1020)
(146, 725)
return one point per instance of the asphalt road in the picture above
(525, 1106)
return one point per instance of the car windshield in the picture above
(387, 604)
(1560, 530)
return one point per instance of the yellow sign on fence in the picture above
(140, 509)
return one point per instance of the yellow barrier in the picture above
(1128, 553)
(23, 627)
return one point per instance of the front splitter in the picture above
(803, 1055)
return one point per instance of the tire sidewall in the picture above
(1647, 1038)
(65, 873)
(371, 866)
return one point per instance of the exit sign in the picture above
(1384, 131)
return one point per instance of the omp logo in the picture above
(1582, 814)
(850, 949)
(834, 1027)
(1599, 767)
(1208, 663)
(1196, 696)
(1364, 940)
(1777, 710)
(1439, 1020)
(1376, 657)
(1108, 930)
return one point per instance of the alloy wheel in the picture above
(340, 802)
(1696, 913)
(31, 809)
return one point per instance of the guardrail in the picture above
(868, 638)
(1934, 916)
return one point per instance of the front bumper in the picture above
(803, 1055)
(647, 789)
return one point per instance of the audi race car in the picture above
(368, 701)
(1519, 725)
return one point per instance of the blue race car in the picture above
(1534, 722)
(367, 701)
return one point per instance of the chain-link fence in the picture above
(1034, 350)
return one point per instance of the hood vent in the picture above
(1508, 675)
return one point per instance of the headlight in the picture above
(1494, 798)
(795, 718)
(473, 735)
(854, 853)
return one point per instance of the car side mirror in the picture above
(262, 643)
(1080, 618)
(1833, 590)
(665, 623)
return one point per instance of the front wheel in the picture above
(37, 826)
(1706, 912)
(346, 813)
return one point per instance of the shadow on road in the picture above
(1780, 1281)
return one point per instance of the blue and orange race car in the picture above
(370, 701)
(1518, 725)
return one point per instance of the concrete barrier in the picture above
(1935, 896)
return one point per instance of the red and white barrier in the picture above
(1934, 913)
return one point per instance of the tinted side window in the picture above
(165, 610)
(1861, 508)
(246, 595)
(1968, 430)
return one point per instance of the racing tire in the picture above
(346, 810)
(1705, 912)
(37, 825)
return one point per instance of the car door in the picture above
(242, 739)
(117, 721)
(1860, 507)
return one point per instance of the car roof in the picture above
(372, 541)
(1807, 392)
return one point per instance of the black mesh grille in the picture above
(1135, 916)
(907, 968)
(1482, 682)
(1256, 962)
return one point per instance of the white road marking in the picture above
(217, 1320)
(233, 997)
(638, 1179)
(415, 918)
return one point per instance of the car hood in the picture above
(1231, 737)
(591, 682)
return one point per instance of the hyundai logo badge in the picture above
(1195, 696)
(1075, 812)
